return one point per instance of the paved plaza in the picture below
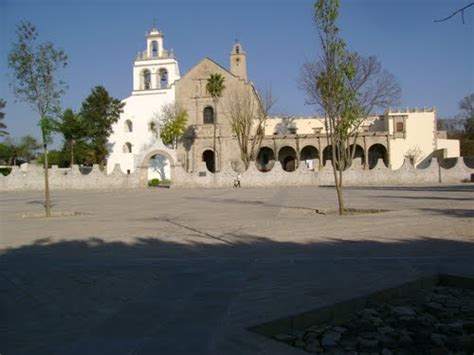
(187, 271)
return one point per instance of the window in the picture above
(154, 49)
(127, 147)
(237, 49)
(128, 127)
(163, 78)
(208, 115)
(146, 80)
(400, 127)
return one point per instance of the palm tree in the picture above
(3, 126)
(215, 87)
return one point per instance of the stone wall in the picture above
(356, 175)
(31, 177)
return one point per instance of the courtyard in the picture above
(179, 271)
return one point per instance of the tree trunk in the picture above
(47, 202)
(339, 193)
(214, 141)
(336, 166)
(72, 152)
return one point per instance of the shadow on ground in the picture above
(152, 296)
(468, 187)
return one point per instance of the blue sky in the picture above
(433, 62)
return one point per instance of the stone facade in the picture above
(192, 95)
(290, 144)
(392, 137)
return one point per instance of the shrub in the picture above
(5, 171)
(154, 182)
(165, 182)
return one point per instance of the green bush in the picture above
(5, 171)
(165, 182)
(154, 182)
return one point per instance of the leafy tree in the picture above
(99, 112)
(215, 86)
(34, 82)
(247, 114)
(19, 150)
(73, 129)
(3, 126)
(55, 157)
(4, 153)
(83, 153)
(172, 124)
(347, 87)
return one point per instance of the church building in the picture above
(155, 72)
(209, 143)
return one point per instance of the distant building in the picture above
(386, 139)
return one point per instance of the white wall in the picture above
(140, 109)
(451, 146)
(420, 133)
(154, 66)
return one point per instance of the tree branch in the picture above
(456, 12)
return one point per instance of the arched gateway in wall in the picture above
(143, 161)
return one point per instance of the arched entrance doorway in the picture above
(209, 158)
(287, 158)
(158, 162)
(159, 170)
(376, 152)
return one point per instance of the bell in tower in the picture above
(238, 61)
(154, 41)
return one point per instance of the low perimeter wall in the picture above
(32, 177)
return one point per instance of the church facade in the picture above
(209, 143)
(155, 72)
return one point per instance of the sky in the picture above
(433, 62)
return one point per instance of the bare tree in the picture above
(414, 154)
(247, 114)
(466, 105)
(373, 87)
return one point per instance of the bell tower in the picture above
(155, 68)
(238, 61)
(154, 43)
